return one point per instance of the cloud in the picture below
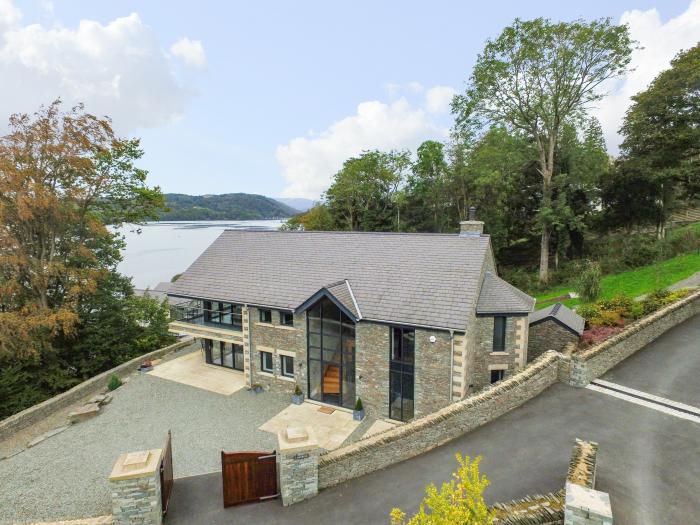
(309, 163)
(439, 98)
(660, 42)
(117, 69)
(9, 14)
(191, 52)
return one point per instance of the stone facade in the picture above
(485, 359)
(136, 490)
(372, 347)
(432, 371)
(279, 340)
(297, 465)
(548, 335)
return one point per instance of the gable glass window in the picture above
(287, 365)
(401, 371)
(287, 318)
(265, 316)
(220, 313)
(223, 354)
(499, 333)
(497, 375)
(331, 354)
(266, 362)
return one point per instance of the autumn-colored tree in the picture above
(459, 501)
(64, 176)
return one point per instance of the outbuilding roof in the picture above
(497, 296)
(560, 314)
(415, 279)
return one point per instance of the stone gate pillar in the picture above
(584, 506)
(298, 464)
(135, 487)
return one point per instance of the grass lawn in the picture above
(635, 282)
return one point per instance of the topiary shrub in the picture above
(587, 285)
(297, 390)
(114, 382)
(358, 404)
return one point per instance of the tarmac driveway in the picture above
(647, 459)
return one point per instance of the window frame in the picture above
(402, 366)
(283, 367)
(286, 315)
(500, 331)
(267, 313)
(500, 372)
(263, 355)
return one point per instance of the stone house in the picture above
(552, 328)
(408, 322)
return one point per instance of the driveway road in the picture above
(648, 459)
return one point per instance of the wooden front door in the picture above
(248, 477)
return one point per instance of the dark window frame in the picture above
(402, 365)
(500, 326)
(263, 356)
(286, 316)
(265, 315)
(499, 373)
(284, 363)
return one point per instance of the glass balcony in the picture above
(213, 314)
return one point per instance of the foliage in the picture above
(114, 382)
(297, 390)
(358, 404)
(598, 334)
(459, 501)
(228, 206)
(588, 311)
(536, 77)
(660, 298)
(588, 282)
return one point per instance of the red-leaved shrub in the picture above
(597, 334)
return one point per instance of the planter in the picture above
(145, 368)
(257, 389)
(358, 415)
(297, 399)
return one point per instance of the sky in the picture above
(271, 97)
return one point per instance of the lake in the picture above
(158, 250)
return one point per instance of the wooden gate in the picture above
(166, 473)
(248, 477)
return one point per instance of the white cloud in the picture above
(660, 42)
(9, 14)
(191, 52)
(117, 69)
(309, 164)
(439, 98)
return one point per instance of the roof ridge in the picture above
(346, 232)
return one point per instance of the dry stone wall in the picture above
(548, 335)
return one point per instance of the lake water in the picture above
(158, 250)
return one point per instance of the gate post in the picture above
(298, 464)
(135, 487)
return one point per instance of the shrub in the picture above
(588, 311)
(636, 311)
(588, 283)
(640, 250)
(593, 336)
(607, 318)
(114, 382)
(297, 390)
(358, 404)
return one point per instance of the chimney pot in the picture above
(472, 213)
(472, 227)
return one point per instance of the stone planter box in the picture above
(297, 399)
(358, 415)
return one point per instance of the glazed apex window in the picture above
(266, 316)
(287, 365)
(287, 318)
(266, 362)
(499, 334)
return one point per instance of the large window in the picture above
(499, 333)
(219, 353)
(266, 362)
(331, 349)
(287, 365)
(403, 345)
(217, 312)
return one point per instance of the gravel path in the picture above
(66, 475)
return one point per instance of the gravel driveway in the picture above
(66, 475)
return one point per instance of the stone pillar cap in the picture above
(136, 464)
(592, 501)
(296, 439)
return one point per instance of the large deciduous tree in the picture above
(536, 76)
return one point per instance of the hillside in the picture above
(228, 206)
(296, 202)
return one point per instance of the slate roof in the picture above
(343, 293)
(497, 296)
(559, 312)
(414, 279)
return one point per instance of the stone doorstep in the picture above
(83, 413)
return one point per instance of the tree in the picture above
(460, 501)
(427, 188)
(63, 177)
(536, 76)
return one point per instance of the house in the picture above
(408, 322)
(553, 328)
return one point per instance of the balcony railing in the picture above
(228, 317)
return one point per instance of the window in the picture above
(287, 318)
(499, 334)
(401, 373)
(266, 316)
(223, 314)
(497, 375)
(266, 362)
(287, 365)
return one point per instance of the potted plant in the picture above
(297, 396)
(256, 387)
(359, 413)
(146, 366)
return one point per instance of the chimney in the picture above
(472, 227)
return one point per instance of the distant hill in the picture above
(296, 203)
(229, 206)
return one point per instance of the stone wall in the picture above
(539, 509)
(432, 371)
(278, 339)
(595, 361)
(484, 359)
(372, 349)
(433, 430)
(548, 335)
(92, 386)
(136, 490)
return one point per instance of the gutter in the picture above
(250, 349)
(452, 362)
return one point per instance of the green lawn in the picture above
(635, 282)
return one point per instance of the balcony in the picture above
(208, 319)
